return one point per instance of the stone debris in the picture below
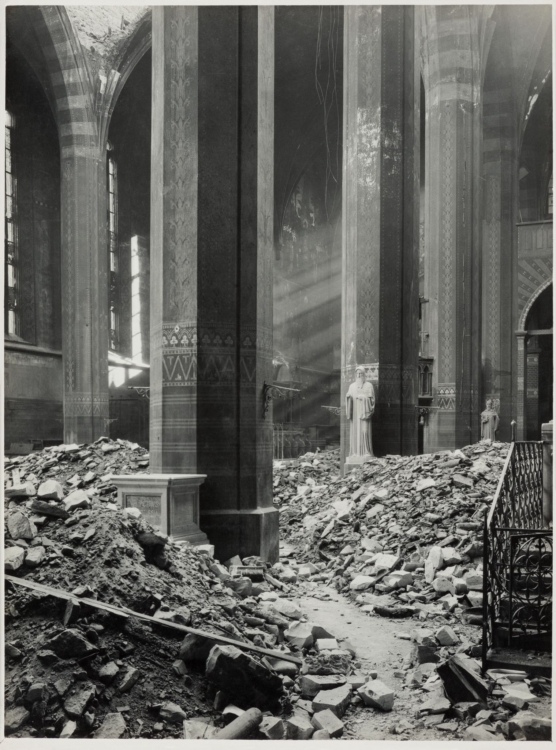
(328, 721)
(399, 537)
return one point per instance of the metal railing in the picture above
(517, 592)
(289, 442)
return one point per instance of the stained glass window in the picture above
(11, 253)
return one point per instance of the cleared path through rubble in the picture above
(378, 647)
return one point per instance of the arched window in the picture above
(112, 172)
(10, 234)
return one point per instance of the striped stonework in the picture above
(83, 230)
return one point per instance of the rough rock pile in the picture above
(402, 537)
(75, 670)
(406, 531)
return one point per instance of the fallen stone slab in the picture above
(128, 679)
(77, 499)
(529, 726)
(287, 608)
(20, 527)
(281, 666)
(312, 684)
(272, 728)
(337, 700)
(321, 734)
(14, 557)
(112, 728)
(326, 644)
(299, 727)
(50, 490)
(377, 695)
(15, 718)
(198, 729)
(251, 684)
(69, 729)
(481, 734)
(461, 681)
(70, 644)
(46, 509)
(26, 489)
(436, 704)
(361, 583)
(300, 634)
(172, 713)
(107, 673)
(34, 556)
(328, 721)
(446, 636)
(76, 703)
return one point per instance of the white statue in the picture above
(489, 422)
(360, 406)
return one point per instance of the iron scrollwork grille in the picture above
(517, 591)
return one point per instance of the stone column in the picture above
(521, 397)
(451, 74)
(84, 288)
(532, 389)
(380, 297)
(211, 272)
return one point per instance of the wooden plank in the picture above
(125, 612)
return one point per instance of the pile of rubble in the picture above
(97, 660)
(402, 538)
(406, 531)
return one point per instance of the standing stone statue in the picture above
(360, 406)
(489, 422)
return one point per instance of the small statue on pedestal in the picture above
(360, 406)
(489, 422)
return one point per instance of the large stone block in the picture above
(377, 695)
(337, 700)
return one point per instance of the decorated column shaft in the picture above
(211, 273)
(451, 74)
(380, 298)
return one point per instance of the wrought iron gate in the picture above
(517, 601)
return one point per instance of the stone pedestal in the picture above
(380, 297)
(169, 502)
(211, 265)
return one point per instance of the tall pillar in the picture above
(451, 73)
(84, 291)
(380, 295)
(211, 265)
(521, 396)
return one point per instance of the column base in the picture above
(243, 532)
(169, 502)
(353, 462)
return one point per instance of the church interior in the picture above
(217, 219)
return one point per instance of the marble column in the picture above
(211, 265)
(380, 237)
(84, 289)
(451, 74)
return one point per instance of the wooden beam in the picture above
(125, 612)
